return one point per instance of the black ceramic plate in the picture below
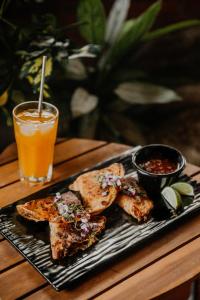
(122, 234)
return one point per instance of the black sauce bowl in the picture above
(154, 183)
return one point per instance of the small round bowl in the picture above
(154, 183)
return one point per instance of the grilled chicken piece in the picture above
(38, 210)
(66, 238)
(95, 197)
(134, 200)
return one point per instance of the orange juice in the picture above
(35, 137)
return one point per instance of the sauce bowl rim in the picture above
(178, 170)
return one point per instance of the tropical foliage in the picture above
(22, 47)
(113, 84)
(90, 89)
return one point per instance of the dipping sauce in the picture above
(159, 166)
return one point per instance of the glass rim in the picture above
(35, 102)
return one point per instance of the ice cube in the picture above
(28, 129)
(45, 127)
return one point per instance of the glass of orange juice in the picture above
(35, 136)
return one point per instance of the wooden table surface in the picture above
(160, 266)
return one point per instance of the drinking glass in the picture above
(35, 136)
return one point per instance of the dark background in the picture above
(177, 124)
(172, 10)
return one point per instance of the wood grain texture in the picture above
(197, 177)
(181, 292)
(117, 272)
(191, 169)
(18, 281)
(15, 191)
(10, 152)
(162, 276)
(9, 255)
(63, 151)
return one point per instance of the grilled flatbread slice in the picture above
(134, 200)
(60, 238)
(45, 209)
(67, 239)
(95, 197)
(38, 210)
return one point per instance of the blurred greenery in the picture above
(92, 17)
(93, 84)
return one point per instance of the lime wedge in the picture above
(183, 188)
(172, 198)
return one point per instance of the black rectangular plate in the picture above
(122, 235)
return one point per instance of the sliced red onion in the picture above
(85, 228)
(57, 197)
(118, 182)
(104, 194)
(84, 220)
(104, 184)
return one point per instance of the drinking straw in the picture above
(44, 58)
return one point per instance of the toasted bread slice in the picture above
(67, 240)
(60, 238)
(137, 205)
(95, 198)
(38, 210)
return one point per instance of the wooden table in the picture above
(151, 271)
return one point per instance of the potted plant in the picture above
(93, 95)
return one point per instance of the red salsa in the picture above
(159, 166)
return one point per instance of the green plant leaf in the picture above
(46, 91)
(31, 70)
(170, 28)
(9, 121)
(75, 70)
(31, 67)
(4, 98)
(3, 5)
(44, 42)
(86, 51)
(92, 16)
(133, 31)
(145, 93)
(116, 19)
(82, 102)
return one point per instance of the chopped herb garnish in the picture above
(74, 213)
(108, 179)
